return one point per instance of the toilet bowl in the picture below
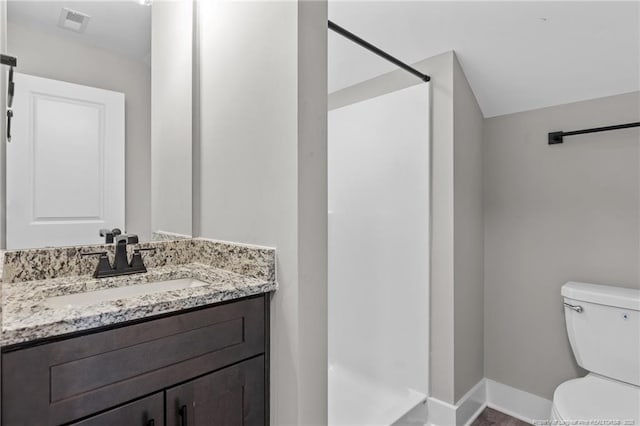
(603, 326)
(596, 400)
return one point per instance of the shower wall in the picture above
(379, 238)
(456, 282)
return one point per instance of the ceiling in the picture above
(516, 55)
(123, 27)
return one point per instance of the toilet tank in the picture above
(603, 324)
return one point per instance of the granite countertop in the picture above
(26, 317)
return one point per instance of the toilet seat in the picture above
(597, 398)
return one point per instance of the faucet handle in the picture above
(151, 249)
(93, 253)
(110, 234)
(127, 239)
(137, 264)
(104, 266)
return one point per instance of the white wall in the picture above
(379, 238)
(171, 116)
(263, 173)
(58, 58)
(554, 214)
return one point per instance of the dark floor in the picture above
(491, 417)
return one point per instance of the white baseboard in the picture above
(418, 416)
(440, 413)
(463, 412)
(488, 393)
(517, 403)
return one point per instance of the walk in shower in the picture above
(378, 189)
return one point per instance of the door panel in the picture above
(233, 396)
(65, 163)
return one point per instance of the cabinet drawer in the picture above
(147, 411)
(62, 381)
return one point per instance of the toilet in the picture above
(603, 326)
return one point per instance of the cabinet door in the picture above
(147, 411)
(233, 396)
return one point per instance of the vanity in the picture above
(191, 348)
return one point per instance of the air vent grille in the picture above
(73, 20)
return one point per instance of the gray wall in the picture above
(49, 56)
(456, 303)
(3, 132)
(263, 174)
(171, 116)
(312, 212)
(554, 214)
(3, 100)
(468, 236)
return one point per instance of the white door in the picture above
(65, 163)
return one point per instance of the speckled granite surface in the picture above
(254, 261)
(231, 271)
(59, 262)
(27, 316)
(1, 263)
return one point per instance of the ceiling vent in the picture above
(73, 20)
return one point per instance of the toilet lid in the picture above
(597, 398)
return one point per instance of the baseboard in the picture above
(517, 403)
(418, 416)
(488, 393)
(463, 412)
(440, 413)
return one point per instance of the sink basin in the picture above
(97, 296)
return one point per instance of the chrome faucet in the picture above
(121, 263)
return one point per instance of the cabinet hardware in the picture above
(9, 117)
(11, 62)
(183, 416)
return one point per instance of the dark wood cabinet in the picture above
(147, 411)
(212, 360)
(229, 397)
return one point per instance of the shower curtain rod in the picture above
(557, 137)
(354, 38)
(8, 60)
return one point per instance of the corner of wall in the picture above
(468, 124)
(460, 79)
(441, 359)
(312, 212)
